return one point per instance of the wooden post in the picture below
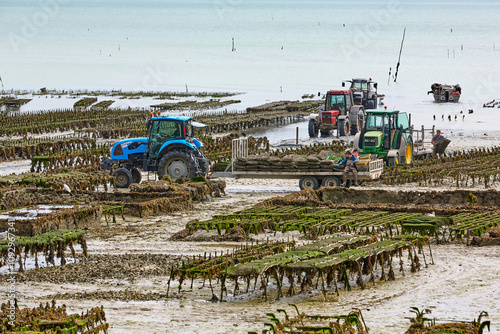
(297, 137)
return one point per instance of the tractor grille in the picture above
(371, 141)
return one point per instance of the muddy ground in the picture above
(125, 273)
(122, 274)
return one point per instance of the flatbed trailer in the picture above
(313, 179)
(367, 170)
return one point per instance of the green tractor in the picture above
(387, 134)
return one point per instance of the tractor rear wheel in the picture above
(344, 127)
(371, 104)
(409, 153)
(177, 163)
(123, 177)
(313, 129)
(136, 175)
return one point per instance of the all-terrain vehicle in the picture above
(339, 111)
(170, 149)
(364, 92)
(387, 134)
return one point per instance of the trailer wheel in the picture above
(344, 127)
(136, 175)
(308, 182)
(313, 129)
(123, 177)
(177, 163)
(331, 181)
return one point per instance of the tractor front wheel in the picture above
(393, 161)
(123, 177)
(178, 163)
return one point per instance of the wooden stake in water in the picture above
(399, 59)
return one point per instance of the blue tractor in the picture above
(170, 149)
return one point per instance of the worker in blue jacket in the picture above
(349, 161)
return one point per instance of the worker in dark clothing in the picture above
(349, 161)
(435, 140)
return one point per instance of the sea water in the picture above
(270, 50)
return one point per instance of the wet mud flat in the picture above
(129, 262)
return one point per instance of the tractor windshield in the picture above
(359, 86)
(377, 122)
(336, 102)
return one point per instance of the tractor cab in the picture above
(169, 130)
(387, 133)
(364, 92)
(337, 103)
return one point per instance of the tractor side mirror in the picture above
(375, 85)
(148, 124)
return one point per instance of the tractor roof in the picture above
(382, 111)
(359, 80)
(339, 92)
(172, 118)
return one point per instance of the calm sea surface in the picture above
(282, 49)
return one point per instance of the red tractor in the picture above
(339, 112)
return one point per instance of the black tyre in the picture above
(354, 129)
(308, 182)
(313, 129)
(123, 177)
(178, 163)
(331, 181)
(393, 161)
(325, 133)
(136, 175)
(344, 127)
(203, 162)
(370, 104)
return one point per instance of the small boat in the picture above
(445, 93)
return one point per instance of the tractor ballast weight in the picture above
(339, 112)
(387, 134)
(170, 149)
